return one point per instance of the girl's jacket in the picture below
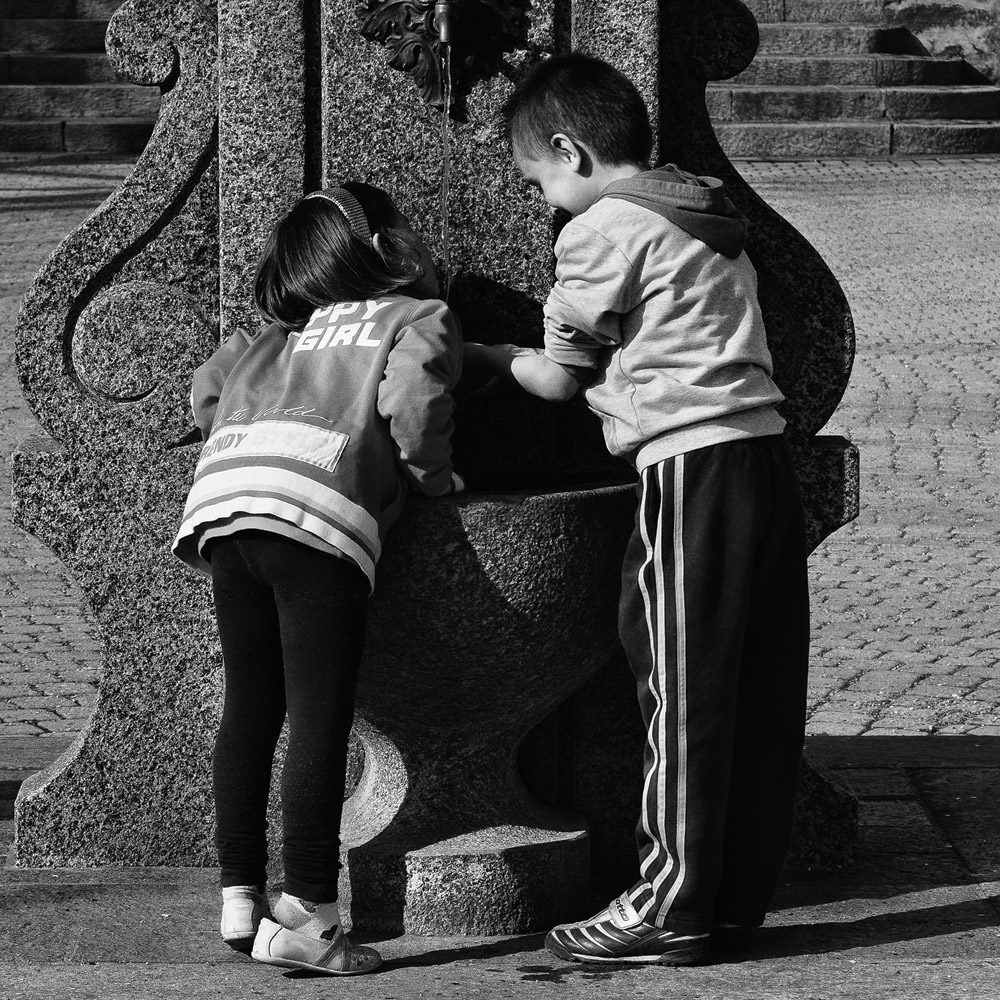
(315, 435)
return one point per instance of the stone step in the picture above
(9, 785)
(37, 8)
(865, 70)
(862, 140)
(787, 39)
(53, 35)
(97, 8)
(105, 100)
(836, 11)
(952, 138)
(118, 136)
(806, 104)
(10, 782)
(55, 68)
(108, 135)
(20, 757)
(24, 755)
(6, 839)
(32, 137)
(24, 9)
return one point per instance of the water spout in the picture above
(444, 20)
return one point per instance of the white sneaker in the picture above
(243, 908)
(275, 945)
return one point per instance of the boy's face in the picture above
(559, 179)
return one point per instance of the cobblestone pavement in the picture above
(49, 653)
(905, 599)
(906, 631)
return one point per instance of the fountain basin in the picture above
(490, 610)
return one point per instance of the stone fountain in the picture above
(492, 608)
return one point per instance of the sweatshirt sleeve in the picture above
(209, 379)
(593, 288)
(415, 396)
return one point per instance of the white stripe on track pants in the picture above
(714, 618)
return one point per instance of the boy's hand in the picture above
(528, 367)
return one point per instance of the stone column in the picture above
(263, 138)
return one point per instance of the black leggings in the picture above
(292, 623)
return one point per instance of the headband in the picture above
(350, 207)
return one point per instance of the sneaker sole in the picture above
(685, 956)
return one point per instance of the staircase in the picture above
(58, 92)
(832, 80)
(21, 757)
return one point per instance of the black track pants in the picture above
(292, 624)
(714, 618)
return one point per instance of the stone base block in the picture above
(825, 832)
(502, 880)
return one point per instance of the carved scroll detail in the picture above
(171, 187)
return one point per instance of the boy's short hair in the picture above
(587, 99)
(313, 258)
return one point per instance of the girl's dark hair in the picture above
(313, 258)
(585, 98)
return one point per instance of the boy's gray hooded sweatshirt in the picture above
(655, 294)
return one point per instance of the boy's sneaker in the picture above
(618, 934)
(276, 945)
(243, 908)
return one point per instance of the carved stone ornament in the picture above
(481, 31)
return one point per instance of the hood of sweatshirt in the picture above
(697, 204)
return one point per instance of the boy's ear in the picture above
(569, 151)
(377, 244)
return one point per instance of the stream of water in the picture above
(446, 167)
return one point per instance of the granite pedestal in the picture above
(262, 103)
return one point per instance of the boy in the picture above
(655, 311)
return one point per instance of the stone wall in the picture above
(966, 28)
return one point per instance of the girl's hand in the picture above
(479, 366)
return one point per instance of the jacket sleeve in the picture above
(424, 365)
(593, 288)
(209, 379)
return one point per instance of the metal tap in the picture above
(444, 20)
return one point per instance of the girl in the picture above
(314, 428)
